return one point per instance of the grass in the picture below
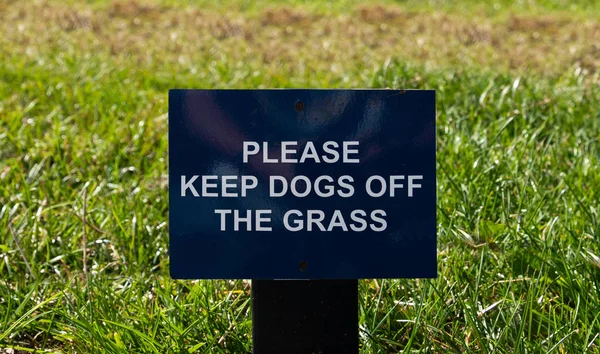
(83, 164)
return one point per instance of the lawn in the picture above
(84, 264)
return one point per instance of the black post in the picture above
(305, 316)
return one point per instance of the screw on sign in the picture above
(318, 187)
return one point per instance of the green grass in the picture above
(83, 130)
(490, 8)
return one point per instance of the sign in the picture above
(302, 184)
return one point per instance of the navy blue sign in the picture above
(302, 184)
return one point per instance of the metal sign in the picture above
(302, 184)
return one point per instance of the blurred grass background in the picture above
(83, 166)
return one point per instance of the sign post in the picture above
(317, 187)
(305, 316)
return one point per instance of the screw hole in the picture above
(299, 106)
(303, 265)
